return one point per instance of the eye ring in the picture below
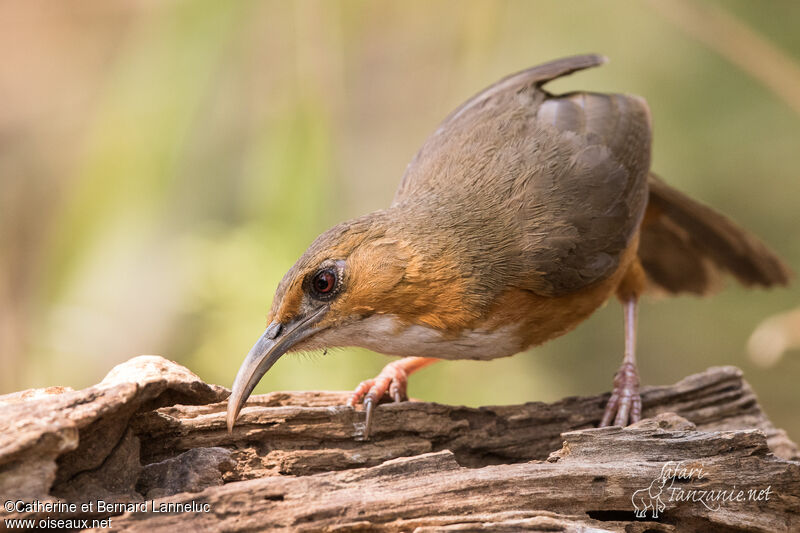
(323, 283)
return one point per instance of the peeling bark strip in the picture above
(152, 436)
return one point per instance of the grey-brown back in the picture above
(563, 177)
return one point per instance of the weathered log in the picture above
(152, 437)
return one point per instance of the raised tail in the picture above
(685, 246)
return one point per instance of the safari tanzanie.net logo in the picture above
(674, 485)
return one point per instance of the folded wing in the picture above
(563, 176)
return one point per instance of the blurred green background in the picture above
(163, 163)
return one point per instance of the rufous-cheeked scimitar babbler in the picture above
(520, 216)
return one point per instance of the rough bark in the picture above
(153, 433)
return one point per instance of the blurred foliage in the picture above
(162, 164)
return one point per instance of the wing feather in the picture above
(562, 177)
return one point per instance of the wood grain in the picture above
(153, 432)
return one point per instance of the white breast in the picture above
(386, 334)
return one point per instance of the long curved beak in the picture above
(276, 341)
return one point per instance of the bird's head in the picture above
(355, 270)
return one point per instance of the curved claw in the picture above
(391, 383)
(369, 407)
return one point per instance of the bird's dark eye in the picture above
(323, 282)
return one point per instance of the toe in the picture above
(625, 405)
(391, 384)
(622, 413)
(636, 409)
(611, 409)
(360, 391)
(380, 386)
(397, 390)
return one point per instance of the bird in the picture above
(522, 214)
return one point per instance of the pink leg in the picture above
(391, 382)
(625, 401)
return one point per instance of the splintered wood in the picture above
(148, 449)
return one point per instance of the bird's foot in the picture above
(391, 383)
(625, 401)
